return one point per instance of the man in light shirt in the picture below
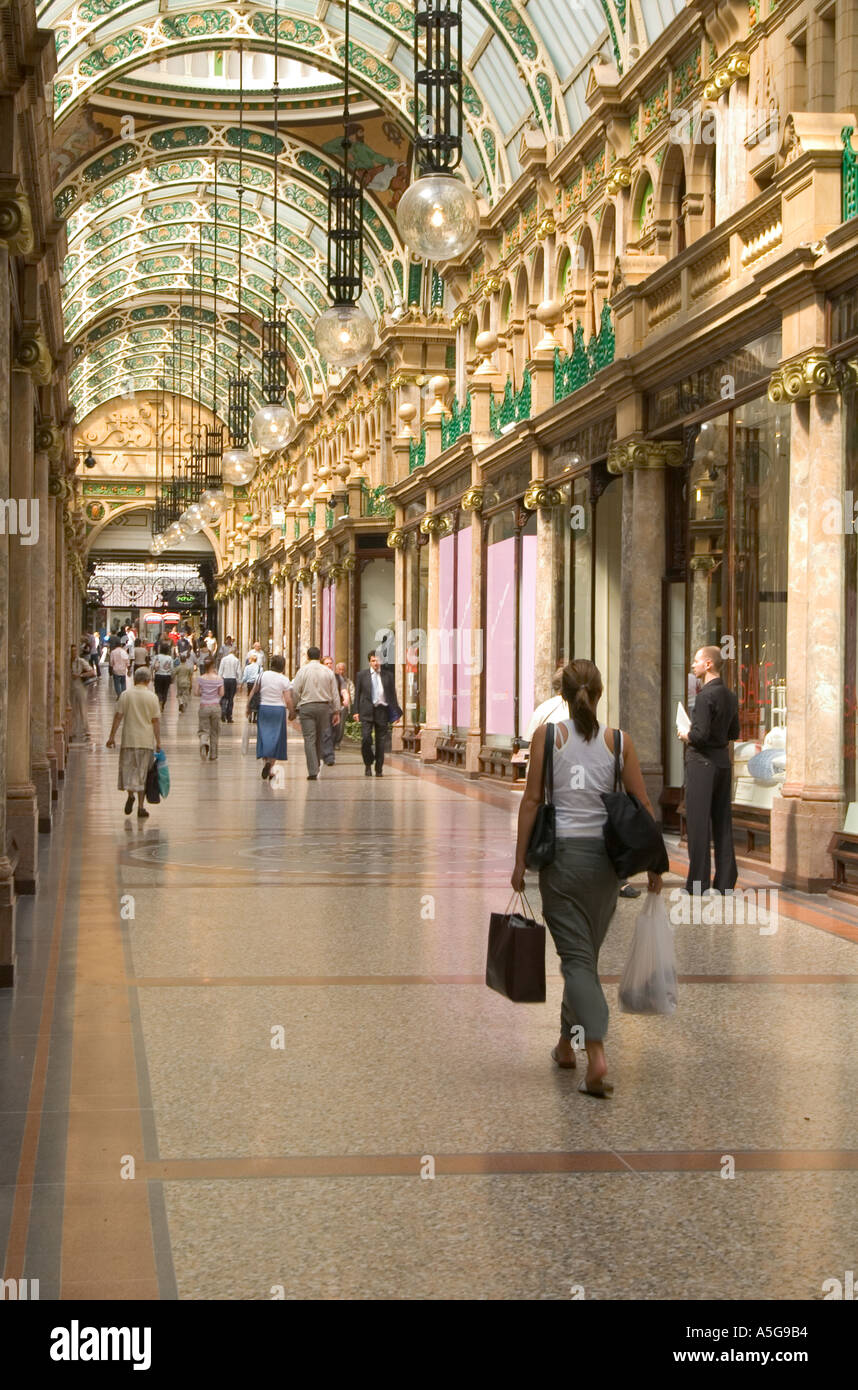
(229, 672)
(256, 650)
(317, 697)
(550, 711)
(119, 663)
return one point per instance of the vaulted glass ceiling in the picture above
(146, 105)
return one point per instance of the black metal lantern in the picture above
(344, 334)
(438, 216)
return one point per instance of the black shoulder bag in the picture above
(542, 844)
(632, 838)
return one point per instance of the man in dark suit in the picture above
(709, 776)
(376, 708)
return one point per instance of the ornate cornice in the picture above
(619, 177)
(810, 375)
(32, 354)
(725, 74)
(16, 222)
(474, 499)
(435, 525)
(630, 454)
(541, 495)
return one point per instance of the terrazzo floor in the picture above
(249, 1053)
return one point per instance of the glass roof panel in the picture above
(568, 31)
(503, 86)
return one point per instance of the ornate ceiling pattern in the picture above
(146, 104)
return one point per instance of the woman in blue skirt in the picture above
(275, 698)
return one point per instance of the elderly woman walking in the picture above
(579, 888)
(139, 713)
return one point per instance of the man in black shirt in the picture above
(709, 776)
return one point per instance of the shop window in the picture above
(459, 642)
(510, 627)
(573, 541)
(850, 645)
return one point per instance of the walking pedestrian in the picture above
(579, 888)
(250, 675)
(229, 672)
(377, 709)
(140, 655)
(139, 713)
(317, 699)
(162, 669)
(256, 650)
(183, 675)
(210, 642)
(209, 686)
(81, 675)
(347, 692)
(709, 777)
(275, 699)
(119, 664)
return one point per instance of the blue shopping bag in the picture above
(163, 773)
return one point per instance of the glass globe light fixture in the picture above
(213, 504)
(344, 335)
(237, 466)
(438, 217)
(272, 428)
(193, 518)
(174, 535)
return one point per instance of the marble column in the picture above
(7, 884)
(60, 635)
(811, 806)
(474, 643)
(342, 644)
(40, 583)
(431, 732)
(50, 626)
(306, 622)
(643, 551)
(400, 626)
(21, 808)
(549, 568)
(277, 634)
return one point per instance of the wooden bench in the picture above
(497, 762)
(411, 740)
(451, 750)
(843, 848)
(753, 820)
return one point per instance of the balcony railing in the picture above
(459, 423)
(374, 501)
(850, 176)
(417, 452)
(573, 370)
(512, 407)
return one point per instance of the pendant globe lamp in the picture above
(273, 426)
(344, 333)
(438, 216)
(212, 504)
(238, 386)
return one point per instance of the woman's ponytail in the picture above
(581, 688)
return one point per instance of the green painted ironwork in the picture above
(297, 529)
(513, 406)
(458, 424)
(311, 518)
(850, 175)
(436, 300)
(329, 518)
(417, 452)
(415, 282)
(573, 370)
(374, 501)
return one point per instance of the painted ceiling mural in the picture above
(146, 114)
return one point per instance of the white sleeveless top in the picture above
(582, 771)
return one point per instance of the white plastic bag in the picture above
(648, 983)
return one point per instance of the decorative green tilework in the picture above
(415, 280)
(687, 74)
(515, 27)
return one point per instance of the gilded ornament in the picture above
(807, 376)
(546, 226)
(350, 562)
(474, 499)
(16, 223)
(396, 539)
(541, 495)
(619, 177)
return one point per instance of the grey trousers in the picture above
(315, 717)
(209, 723)
(579, 896)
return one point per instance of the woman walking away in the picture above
(183, 674)
(139, 713)
(81, 675)
(579, 887)
(209, 687)
(162, 666)
(275, 698)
